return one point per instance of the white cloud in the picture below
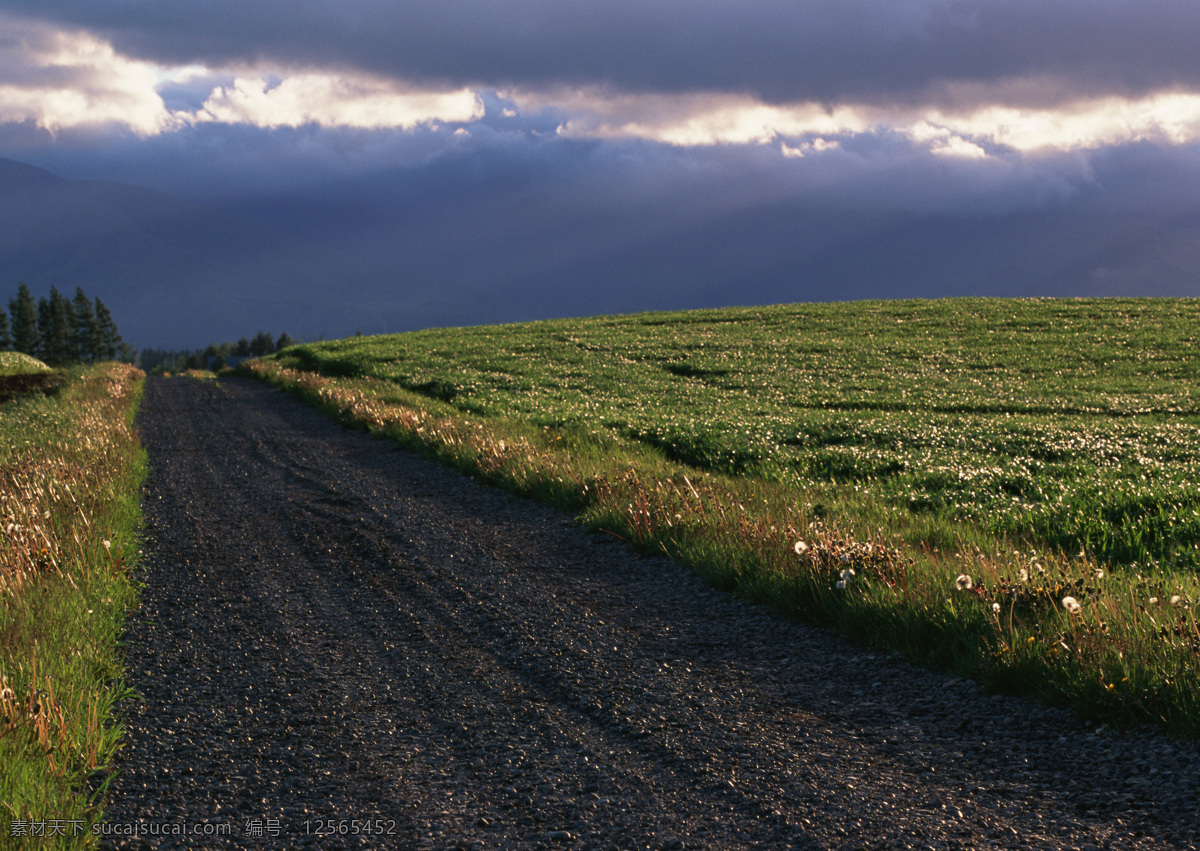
(957, 146)
(697, 119)
(818, 144)
(181, 74)
(336, 100)
(943, 142)
(60, 79)
(1172, 117)
(688, 119)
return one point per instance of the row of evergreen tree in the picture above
(173, 360)
(58, 331)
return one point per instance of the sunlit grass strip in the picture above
(1118, 649)
(70, 470)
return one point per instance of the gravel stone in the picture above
(343, 645)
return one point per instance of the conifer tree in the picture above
(44, 321)
(110, 341)
(5, 339)
(262, 344)
(284, 341)
(24, 321)
(85, 329)
(55, 329)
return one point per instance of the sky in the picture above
(473, 161)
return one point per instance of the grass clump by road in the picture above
(1005, 489)
(70, 470)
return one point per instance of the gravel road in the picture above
(344, 645)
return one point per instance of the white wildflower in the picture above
(1153, 601)
(1176, 600)
(1071, 605)
(1099, 573)
(1024, 574)
(841, 585)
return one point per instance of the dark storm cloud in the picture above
(1039, 51)
(503, 218)
(214, 161)
(369, 170)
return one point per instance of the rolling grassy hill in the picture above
(1075, 422)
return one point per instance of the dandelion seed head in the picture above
(107, 545)
(1153, 601)
(801, 548)
(1099, 573)
(841, 585)
(995, 608)
(1024, 574)
(1176, 600)
(964, 582)
(1071, 604)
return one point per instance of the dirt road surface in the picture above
(344, 645)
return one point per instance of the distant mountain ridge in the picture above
(394, 254)
(161, 264)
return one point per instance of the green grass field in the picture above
(1074, 422)
(1047, 449)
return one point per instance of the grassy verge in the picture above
(70, 469)
(1017, 615)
